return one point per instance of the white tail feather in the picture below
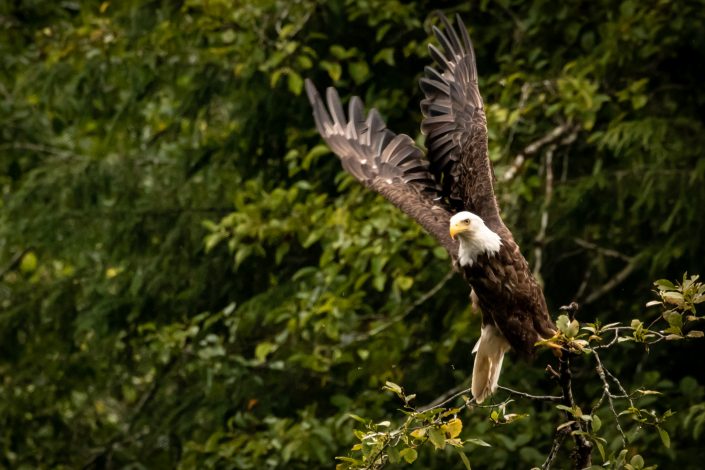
(489, 351)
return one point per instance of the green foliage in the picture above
(380, 445)
(440, 425)
(188, 280)
(680, 302)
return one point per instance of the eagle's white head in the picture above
(474, 236)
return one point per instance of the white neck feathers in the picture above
(482, 240)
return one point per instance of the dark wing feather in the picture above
(456, 136)
(388, 163)
(455, 126)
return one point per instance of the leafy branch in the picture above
(441, 425)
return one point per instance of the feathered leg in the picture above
(489, 353)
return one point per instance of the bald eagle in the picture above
(450, 192)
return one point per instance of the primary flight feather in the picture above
(449, 191)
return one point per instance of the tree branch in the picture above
(447, 397)
(616, 280)
(605, 251)
(557, 442)
(529, 396)
(540, 240)
(549, 138)
(374, 331)
(607, 393)
(583, 447)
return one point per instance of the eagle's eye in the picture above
(467, 221)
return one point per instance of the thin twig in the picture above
(616, 280)
(557, 442)
(584, 283)
(548, 196)
(611, 343)
(442, 400)
(550, 137)
(619, 385)
(660, 336)
(529, 396)
(426, 296)
(525, 91)
(605, 251)
(583, 447)
(606, 392)
(448, 396)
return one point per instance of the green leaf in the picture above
(29, 262)
(242, 254)
(409, 454)
(665, 438)
(649, 392)
(378, 282)
(404, 282)
(304, 62)
(437, 437)
(333, 68)
(341, 53)
(281, 251)
(673, 298)
(674, 319)
(569, 328)
(664, 284)
(263, 349)
(600, 449)
(637, 461)
(596, 424)
(359, 71)
(313, 154)
(274, 78)
(391, 386)
(453, 428)
(384, 55)
(477, 442)
(464, 458)
(357, 418)
(296, 83)
(441, 253)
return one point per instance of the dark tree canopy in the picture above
(189, 280)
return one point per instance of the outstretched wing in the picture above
(455, 125)
(456, 137)
(388, 163)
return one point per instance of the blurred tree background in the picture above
(189, 280)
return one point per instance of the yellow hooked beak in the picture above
(457, 227)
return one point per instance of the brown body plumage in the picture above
(510, 297)
(455, 175)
